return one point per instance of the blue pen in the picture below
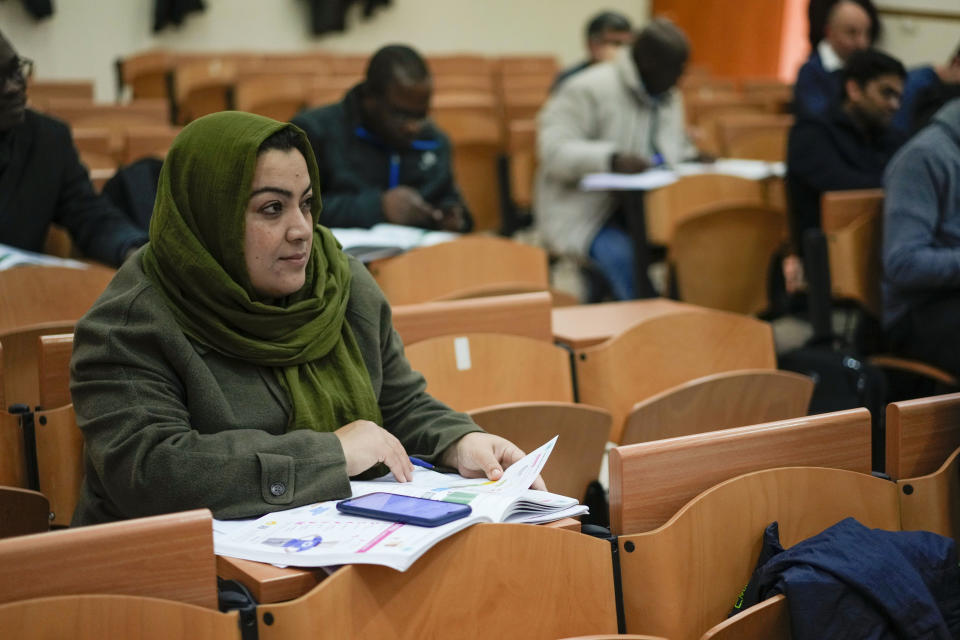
(420, 463)
(657, 160)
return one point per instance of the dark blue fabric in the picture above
(853, 582)
(918, 81)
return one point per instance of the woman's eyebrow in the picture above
(283, 192)
(307, 190)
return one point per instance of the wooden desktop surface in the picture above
(270, 584)
(590, 324)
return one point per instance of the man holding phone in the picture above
(380, 158)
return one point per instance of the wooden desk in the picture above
(270, 584)
(590, 324)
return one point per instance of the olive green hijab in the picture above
(196, 259)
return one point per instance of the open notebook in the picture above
(318, 535)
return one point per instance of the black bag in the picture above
(842, 381)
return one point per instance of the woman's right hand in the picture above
(365, 444)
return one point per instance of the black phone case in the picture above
(345, 506)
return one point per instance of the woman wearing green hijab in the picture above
(240, 361)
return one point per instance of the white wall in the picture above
(84, 37)
(920, 40)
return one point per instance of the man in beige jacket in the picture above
(623, 116)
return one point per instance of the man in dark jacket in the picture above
(849, 147)
(380, 159)
(42, 180)
(921, 243)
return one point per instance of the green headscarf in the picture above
(196, 259)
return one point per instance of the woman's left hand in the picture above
(478, 455)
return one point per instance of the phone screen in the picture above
(397, 508)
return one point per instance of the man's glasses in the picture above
(20, 69)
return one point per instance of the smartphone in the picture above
(407, 509)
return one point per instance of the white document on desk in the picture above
(318, 535)
(646, 181)
(661, 177)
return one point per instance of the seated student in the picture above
(930, 88)
(607, 33)
(43, 182)
(921, 244)
(838, 28)
(240, 361)
(380, 158)
(612, 117)
(848, 147)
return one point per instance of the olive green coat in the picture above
(170, 425)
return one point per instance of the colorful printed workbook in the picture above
(317, 535)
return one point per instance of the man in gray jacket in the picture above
(921, 244)
(623, 116)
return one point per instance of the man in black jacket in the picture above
(849, 147)
(42, 180)
(380, 158)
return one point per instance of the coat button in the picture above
(278, 489)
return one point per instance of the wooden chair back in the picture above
(680, 580)
(767, 620)
(756, 136)
(326, 90)
(932, 502)
(459, 65)
(469, 371)
(721, 256)
(668, 206)
(94, 617)
(59, 447)
(95, 140)
(40, 294)
(578, 454)
(522, 152)
(524, 581)
(118, 118)
(679, 347)
(469, 82)
(148, 142)
(13, 465)
(55, 351)
(203, 86)
(349, 64)
(719, 401)
(852, 222)
(22, 512)
(531, 84)
(527, 65)
(21, 361)
(280, 96)
(921, 434)
(146, 73)
(168, 557)
(524, 104)
(521, 314)
(476, 137)
(45, 90)
(471, 266)
(650, 481)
